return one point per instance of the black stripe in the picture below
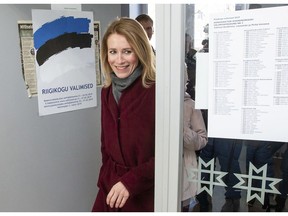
(61, 43)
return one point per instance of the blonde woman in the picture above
(126, 178)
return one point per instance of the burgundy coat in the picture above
(128, 147)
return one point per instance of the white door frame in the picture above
(169, 106)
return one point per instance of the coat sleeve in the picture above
(140, 178)
(195, 133)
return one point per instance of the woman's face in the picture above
(121, 57)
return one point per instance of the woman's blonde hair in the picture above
(136, 36)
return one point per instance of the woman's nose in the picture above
(120, 58)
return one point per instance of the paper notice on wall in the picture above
(201, 87)
(65, 60)
(248, 74)
(27, 56)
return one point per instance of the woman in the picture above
(194, 139)
(126, 178)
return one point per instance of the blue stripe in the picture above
(58, 27)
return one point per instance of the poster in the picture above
(25, 30)
(248, 74)
(65, 60)
(97, 34)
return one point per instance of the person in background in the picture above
(147, 22)
(194, 138)
(126, 178)
(228, 152)
(190, 60)
(260, 153)
(283, 185)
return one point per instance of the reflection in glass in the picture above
(232, 175)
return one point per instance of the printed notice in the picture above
(248, 75)
(65, 60)
(27, 56)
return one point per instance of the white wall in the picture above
(47, 163)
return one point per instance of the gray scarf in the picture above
(119, 84)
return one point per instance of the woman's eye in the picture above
(127, 51)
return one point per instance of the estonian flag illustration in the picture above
(61, 34)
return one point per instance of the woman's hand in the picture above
(117, 196)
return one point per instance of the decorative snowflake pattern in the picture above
(216, 179)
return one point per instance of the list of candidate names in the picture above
(248, 74)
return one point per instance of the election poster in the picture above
(64, 60)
